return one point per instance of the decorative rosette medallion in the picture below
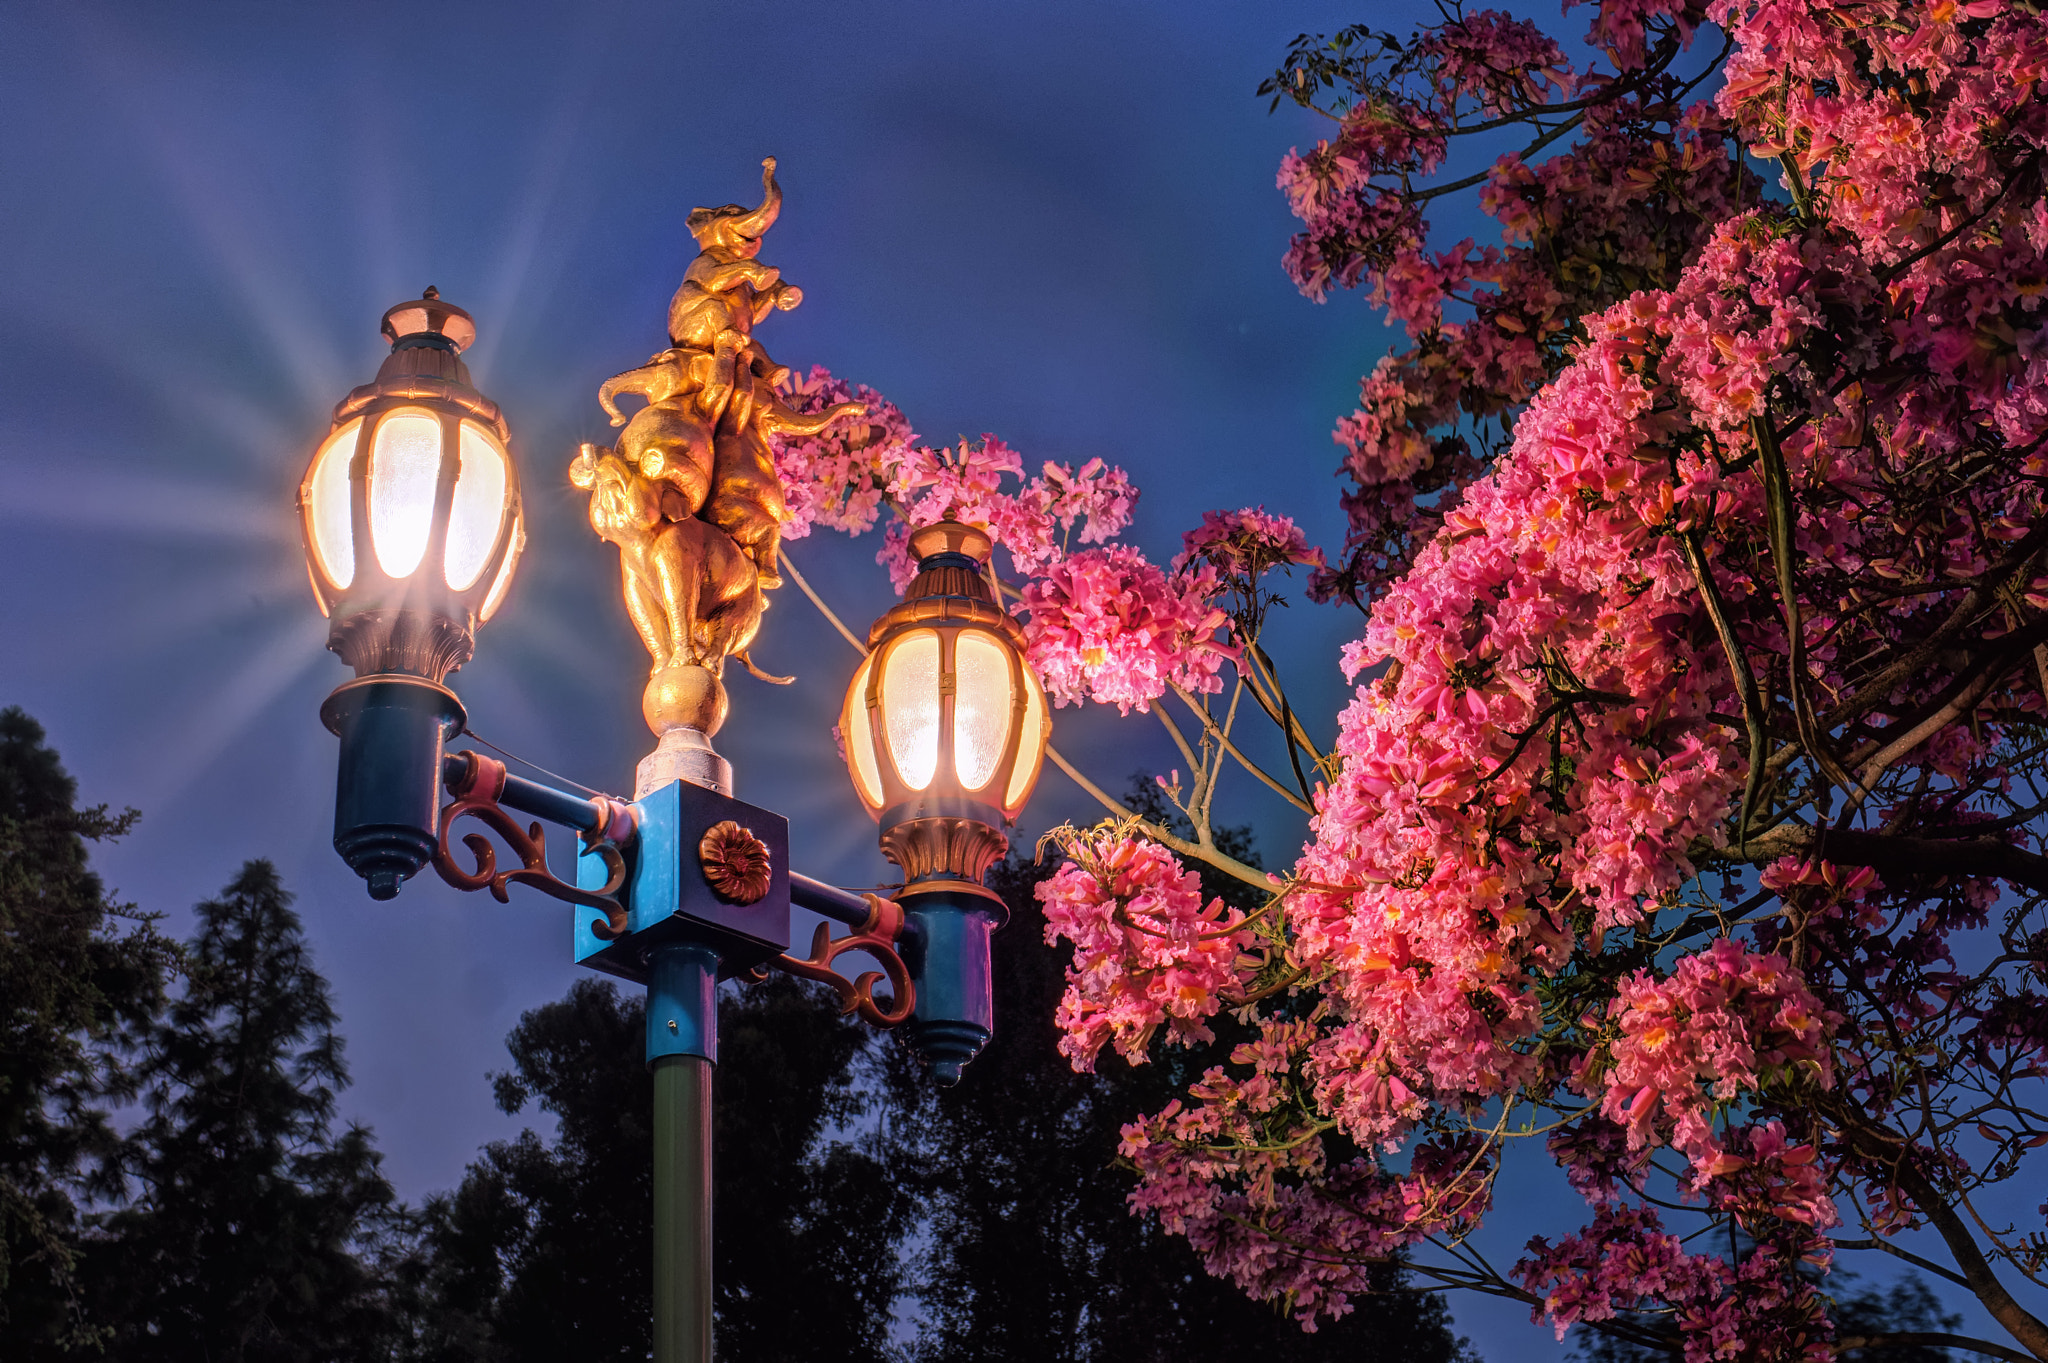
(735, 862)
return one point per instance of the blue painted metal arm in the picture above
(584, 815)
(579, 812)
(829, 901)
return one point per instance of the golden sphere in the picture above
(686, 697)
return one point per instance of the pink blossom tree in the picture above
(1685, 816)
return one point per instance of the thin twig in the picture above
(1216, 731)
(1745, 679)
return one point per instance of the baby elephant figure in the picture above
(726, 291)
(692, 593)
(711, 400)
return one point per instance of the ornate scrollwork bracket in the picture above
(476, 794)
(877, 937)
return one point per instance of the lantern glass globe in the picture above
(944, 714)
(982, 707)
(405, 469)
(327, 499)
(910, 706)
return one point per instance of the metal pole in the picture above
(682, 1209)
(682, 1050)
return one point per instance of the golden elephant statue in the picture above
(691, 591)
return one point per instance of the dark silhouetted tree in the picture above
(1031, 1254)
(1900, 1311)
(542, 1252)
(244, 1238)
(77, 971)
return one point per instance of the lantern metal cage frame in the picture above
(420, 621)
(947, 643)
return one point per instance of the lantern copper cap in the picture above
(949, 586)
(951, 537)
(427, 339)
(428, 336)
(430, 315)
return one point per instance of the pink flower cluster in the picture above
(1550, 740)
(1874, 103)
(1147, 949)
(1246, 543)
(1621, 27)
(1616, 209)
(1547, 610)
(1241, 1177)
(1103, 624)
(1719, 1027)
(1108, 626)
(1353, 225)
(1626, 1261)
(844, 477)
(1502, 62)
(839, 478)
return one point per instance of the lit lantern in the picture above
(410, 507)
(411, 517)
(945, 730)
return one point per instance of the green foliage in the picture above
(249, 1217)
(543, 1252)
(1030, 1253)
(77, 972)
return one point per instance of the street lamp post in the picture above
(411, 518)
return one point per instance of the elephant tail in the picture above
(748, 663)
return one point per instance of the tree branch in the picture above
(1958, 1279)
(1216, 731)
(1229, 865)
(2021, 1323)
(1960, 697)
(1886, 852)
(819, 602)
(1745, 679)
(1850, 1343)
(1876, 690)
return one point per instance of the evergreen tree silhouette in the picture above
(244, 1238)
(78, 971)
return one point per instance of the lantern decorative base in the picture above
(946, 1047)
(388, 784)
(947, 926)
(948, 846)
(682, 755)
(419, 643)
